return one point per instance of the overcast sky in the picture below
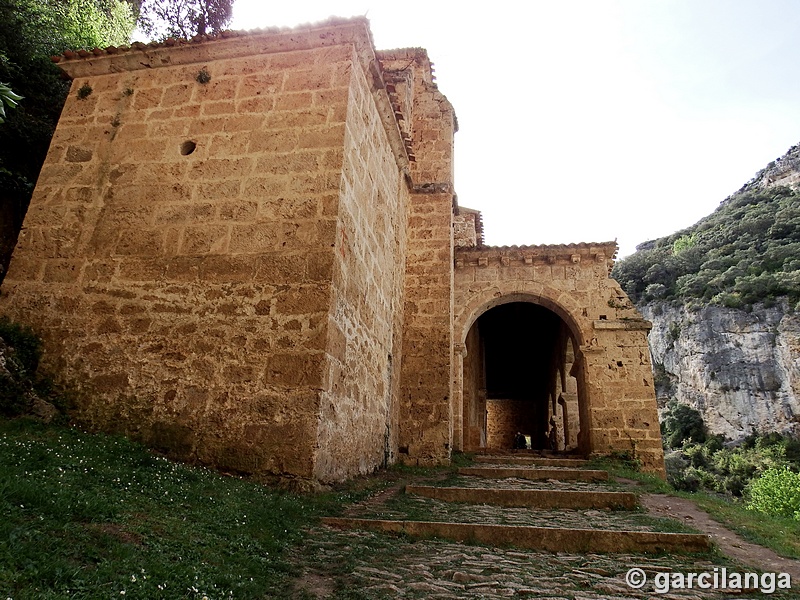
(594, 120)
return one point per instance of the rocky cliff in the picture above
(724, 299)
(740, 369)
(781, 171)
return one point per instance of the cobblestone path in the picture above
(361, 564)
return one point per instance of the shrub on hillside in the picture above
(734, 468)
(728, 470)
(682, 423)
(679, 474)
(695, 460)
(776, 492)
(743, 253)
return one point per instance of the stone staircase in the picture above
(527, 502)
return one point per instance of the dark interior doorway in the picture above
(519, 339)
(518, 378)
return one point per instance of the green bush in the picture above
(679, 474)
(22, 382)
(728, 470)
(736, 467)
(22, 352)
(684, 476)
(26, 344)
(682, 423)
(776, 492)
(13, 397)
(695, 460)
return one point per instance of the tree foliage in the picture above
(681, 424)
(74, 24)
(747, 251)
(7, 99)
(161, 19)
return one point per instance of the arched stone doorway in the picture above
(522, 373)
(610, 359)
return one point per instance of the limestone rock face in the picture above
(782, 171)
(740, 369)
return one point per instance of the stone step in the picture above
(536, 473)
(539, 461)
(551, 539)
(515, 483)
(528, 498)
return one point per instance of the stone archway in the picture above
(519, 368)
(611, 362)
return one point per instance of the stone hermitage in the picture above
(248, 252)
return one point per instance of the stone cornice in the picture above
(225, 45)
(563, 254)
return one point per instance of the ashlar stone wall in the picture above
(215, 250)
(243, 251)
(358, 425)
(504, 419)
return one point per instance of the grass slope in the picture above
(780, 534)
(92, 516)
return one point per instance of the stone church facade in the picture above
(247, 252)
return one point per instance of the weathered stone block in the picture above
(295, 369)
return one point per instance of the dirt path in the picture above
(730, 543)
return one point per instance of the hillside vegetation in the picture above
(745, 252)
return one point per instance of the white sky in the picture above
(590, 120)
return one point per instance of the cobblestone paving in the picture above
(355, 564)
(516, 483)
(411, 507)
(505, 465)
(368, 565)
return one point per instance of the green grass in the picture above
(619, 468)
(93, 516)
(780, 534)
(87, 516)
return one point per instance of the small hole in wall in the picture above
(188, 147)
(619, 363)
